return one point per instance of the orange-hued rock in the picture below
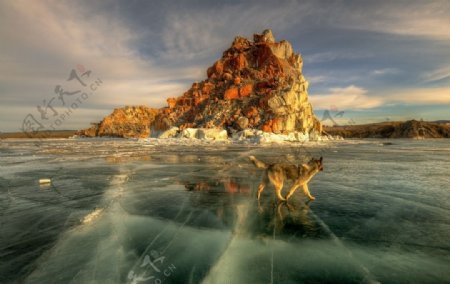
(267, 127)
(216, 69)
(195, 86)
(257, 84)
(231, 94)
(227, 76)
(277, 125)
(246, 90)
(126, 122)
(251, 112)
(89, 132)
(240, 43)
(207, 88)
(198, 100)
(171, 102)
(240, 61)
(265, 37)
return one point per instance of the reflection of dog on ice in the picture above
(277, 173)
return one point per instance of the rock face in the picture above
(256, 84)
(126, 122)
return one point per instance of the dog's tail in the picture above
(259, 164)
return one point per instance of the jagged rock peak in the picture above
(266, 37)
(257, 84)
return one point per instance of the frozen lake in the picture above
(126, 211)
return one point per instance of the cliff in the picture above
(408, 129)
(126, 122)
(256, 84)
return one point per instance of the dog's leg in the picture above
(306, 191)
(292, 190)
(262, 184)
(278, 188)
(261, 188)
(276, 179)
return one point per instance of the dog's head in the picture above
(317, 163)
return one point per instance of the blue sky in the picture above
(374, 60)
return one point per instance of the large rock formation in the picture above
(126, 122)
(256, 84)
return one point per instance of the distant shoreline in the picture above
(397, 129)
(413, 129)
(39, 134)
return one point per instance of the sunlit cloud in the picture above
(350, 97)
(32, 65)
(357, 98)
(420, 96)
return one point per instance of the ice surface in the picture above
(152, 211)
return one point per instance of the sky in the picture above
(366, 61)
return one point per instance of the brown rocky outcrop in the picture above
(259, 80)
(256, 84)
(126, 122)
(393, 129)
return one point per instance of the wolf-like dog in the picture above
(277, 173)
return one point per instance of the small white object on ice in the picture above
(45, 181)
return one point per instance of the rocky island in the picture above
(257, 86)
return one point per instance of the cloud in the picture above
(350, 97)
(329, 56)
(428, 19)
(436, 75)
(42, 41)
(356, 98)
(385, 71)
(420, 96)
(316, 79)
(198, 32)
